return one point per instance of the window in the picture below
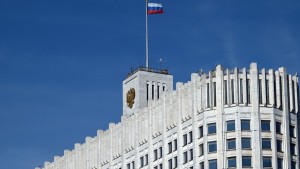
(231, 144)
(265, 125)
(201, 151)
(246, 143)
(155, 167)
(293, 165)
(225, 92)
(191, 136)
(202, 165)
(160, 166)
(279, 145)
(241, 91)
(175, 162)
(267, 92)
(207, 96)
(293, 148)
(212, 164)
(170, 163)
(212, 146)
(292, 131)
(245, 125)
(160, 152)
(184, 139)
(170, 147)
(231, 125)
(214, 94)
(128, 166)
(185, 157)
(266, 143)
(260, 91)
(246, 161)
(232, 91)
(146, 159)
(155, 154)
(152, 92)
(211, 128)
(132, 164)
(279, 163)
(248, 91)
(175, 144)
(191, 154)
(267, 161)
(231, 162)
(200, 131)
(278, 127)
(141, 162)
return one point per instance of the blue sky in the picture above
(62, 62)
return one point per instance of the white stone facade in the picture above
(223, 119)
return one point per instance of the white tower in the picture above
(144, 85)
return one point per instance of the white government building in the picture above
(240, 118)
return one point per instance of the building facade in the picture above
(240, 118)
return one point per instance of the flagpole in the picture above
(147, 47)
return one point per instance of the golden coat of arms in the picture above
(130, 97)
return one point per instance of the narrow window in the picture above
(211, 128)
(292, 131)
(164, 88)
(278, 127)
(215, 95)
(141, 162)
(157, 91)
(202, 165)
(241, 91)
(267, 92)
(246, 162)
(280, 93)
(207, 95)
(260, 91)
(231, 162)
(232, 91)
(248, 92)
(225, 92)
(175, 144)
(160, 152)
(267, 161)
(170, 147)
(200, 131)
(132, 164)
(245, 125)
(147, 88)
(230, 125)
(153, 92)
(279, 145)
(201, 150)
(212, 146)
(293, 149)
(128, 166)
(191, 155)
(160, 166)
(231, 144)
(293, 165)
(279, 163)
(184, 139)
(275, 97)
(146, 159)
(185, 157)
(265, 125)
(191, 136)
(155, 154)
(175, 162)
(170, 163)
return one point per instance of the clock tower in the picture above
(144, 85)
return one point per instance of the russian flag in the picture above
(155, 8)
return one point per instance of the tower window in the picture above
(212, 146)
(211, 128)
(246, 161)
(246, 143)
(212, 164)
(265, 125)
(266, 143)
(231, 144)
(230, 125)
(267, 161)
(231, 162)
(245, 125)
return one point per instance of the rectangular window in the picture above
(191, 155)
(157, 91)
(246, 143)
(231, 144)
(279, 145)
(265, 125)
(279, 163)
(231, 162)
(230, 125)
(147, 91)
(293, 149)
(246, 162)
(202, 165)
(260, 91)
(170, 147)
(175, 162)
(184, 139)
(292, 131)
(275, 97)
(232, 91)
(267, 161)
(215, 95)
(200, 131)
(212, 146)
(245, 125)
(278, 127)
(160, 152)
(248, 92)
(225, 92)
(175, 144)
(201, 150)
(155, 154)
(191, 136)
(266, 143)
(128, 166)
(267, 92)
(132, 164)
(185, 157)
(241, 91)
(170, 163)
(211, 128)
(146, 159)
(141, 162)
(160, 166)
(293, 165)
(212, 164)
(153, 92)
(207, 95)
(155, 167)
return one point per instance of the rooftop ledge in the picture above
(147, 69)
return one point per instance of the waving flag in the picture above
(155, 8)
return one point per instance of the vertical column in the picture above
(150, 138)
(164, 135)
(272, 95)
(296, 91)
(179, 122)
(285, 119)
(263, 87)
(255, 118)
(244, 85)
(290, 88)
(236, 84)
(278, 93)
